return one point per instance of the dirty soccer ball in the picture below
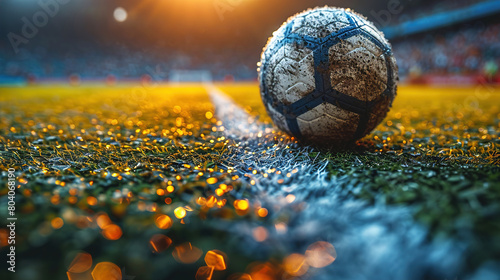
(327, 76)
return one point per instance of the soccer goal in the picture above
(190, 76)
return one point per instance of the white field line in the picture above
(236, 120)
(372, 242)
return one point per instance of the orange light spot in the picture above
(240, 276)
(87, 275)
(160, 192)
(168, 200)
(211, 201)
(163, 222)
(81, 263)
(219, 192)
(262, 212)
(72, 199)
(223, 187)
(159, 243)
(204, 273)
(106, 271)
(170, 189)
(92, 201)
(216, 260)
(263, 271)
(4, 237)
(112, 232)
(320, 254)
(212, 180)
(241, 204)
(103, 220)
(186, 253)
(27, 192)
(55, 199)
(295, 264)
(221, 203)
(201, 201)
(57, 223)
(180, 212)
(260, 234)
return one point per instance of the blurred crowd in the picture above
(468, 50)
(97, 62)
(424, 8)
(464, 49)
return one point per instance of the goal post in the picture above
(190, 76)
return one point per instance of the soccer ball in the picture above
(327, 75)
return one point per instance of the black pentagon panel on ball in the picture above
(327, 76)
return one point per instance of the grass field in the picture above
(150, 179)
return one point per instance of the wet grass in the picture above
(437, 153)
(134, 154)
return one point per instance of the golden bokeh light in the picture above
(163, 221)
(103, 220)
(160, 192)
(215, 259)
(263, 271)
(159, 243)
(106, 271)
(219, 192)
(81, 263)
(87, 275)
(187, 253)
(240, 276)
(92, 201)
(241, 204)
(212, 180)
(180, 212)
(204, 273)
(57, 223)
(112, 232)
(295, 265)
(262, 212)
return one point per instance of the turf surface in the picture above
(157, 160)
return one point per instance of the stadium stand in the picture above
(434, 44)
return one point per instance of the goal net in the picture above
(190, 76)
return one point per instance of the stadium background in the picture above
(447, 42)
